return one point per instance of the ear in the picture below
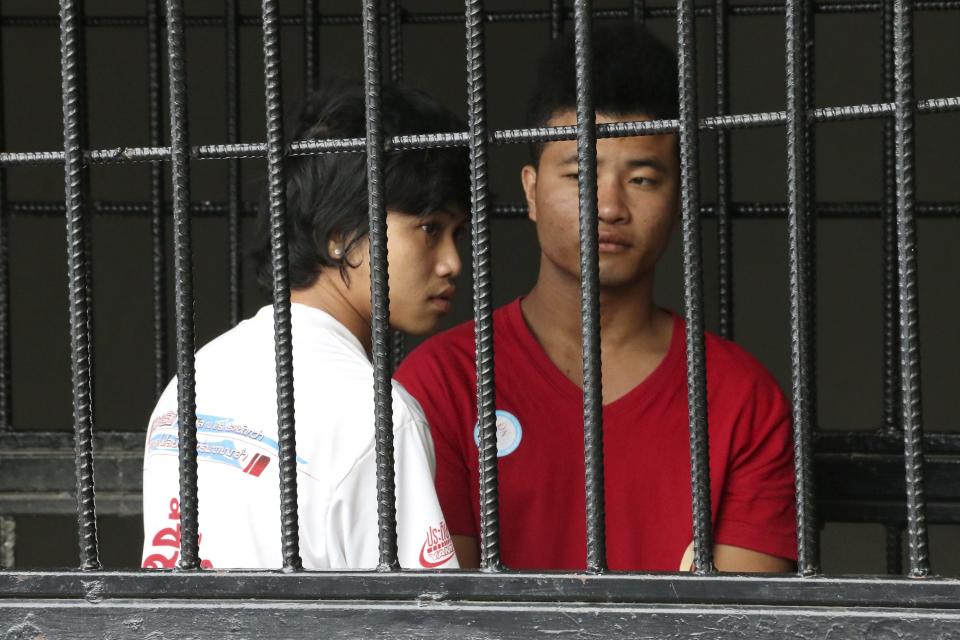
(528, 177)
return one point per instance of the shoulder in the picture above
(456, 341)
(731, 365)
(455, 347)
(249, 338)
(407, 411)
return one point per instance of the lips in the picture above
(609, 238)
(442, 300)
(613, 243)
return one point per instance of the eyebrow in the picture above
(634, 163)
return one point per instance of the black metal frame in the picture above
(853, 471)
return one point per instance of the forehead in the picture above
(663, 145)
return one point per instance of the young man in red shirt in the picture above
(538, 363)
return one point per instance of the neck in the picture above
(628, 314)
(331, 297)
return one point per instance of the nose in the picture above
(611, 201)
(448, 259)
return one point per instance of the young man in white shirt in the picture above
(427, 194)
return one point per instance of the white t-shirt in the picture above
(239, 486)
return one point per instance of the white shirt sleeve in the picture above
(423, 540)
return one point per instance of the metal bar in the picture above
(77, 265)
(395, 51)
(482, 289)
(81, 70)
(158, 205)
(507, 211)
(891, 372)
(8, 542)
(897, 594)
(311, 45)
(183, 270)
(798, 212)
(282, 324)
(380, 293)
(557, 17)
(693, 292)
(721, 47)
(810, 269)
(590, 289)
(6, 399)
(907, 284)
(234, 270)
(344, 20)
(461, 139)
(894, 545)
(504, 620)
(638, 11)
(810, 236)
(395, 39)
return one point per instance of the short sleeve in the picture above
(423, 540)
(444, 404)
(757, 509)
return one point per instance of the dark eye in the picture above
(642, 181)
(459, 231)
(430, 228)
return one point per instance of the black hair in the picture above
(633, 73)
(327, 193)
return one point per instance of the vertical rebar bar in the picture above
(183, 270)
(810, 237)
(398, 342)
(798, 210)
(693, 291)
(395, 39)
(638, 11)
(482, 288)
(287, 454)
(81, 36)
(77, 264)
(894, 546)
(158, 224)
(235, 300)
(909, 313)
(380, 293)
(888, 215)
(556, 18)
(8, 542)
(6, 400)
(311, 45)
(721, 47)
(590, 288)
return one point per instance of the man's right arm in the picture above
(438, 391)
(468, 551)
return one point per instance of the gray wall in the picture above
(848, 165)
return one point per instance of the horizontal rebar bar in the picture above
(335, 19)
(503, 136)
(206, 208)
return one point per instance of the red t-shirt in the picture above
(646, 451)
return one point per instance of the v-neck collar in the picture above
(566, 388)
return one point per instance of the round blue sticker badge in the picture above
(509, 433)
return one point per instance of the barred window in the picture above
(817, 217)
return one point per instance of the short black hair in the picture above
(633, 72)
(327, 193)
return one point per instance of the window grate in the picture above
(390, 596)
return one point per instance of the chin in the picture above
(618, 280)
(416, 327)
